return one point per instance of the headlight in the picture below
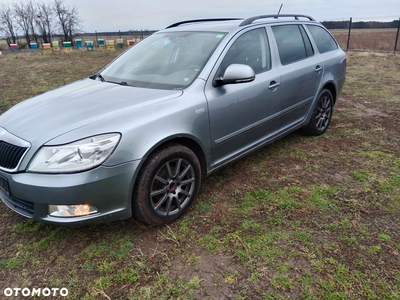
(77, 156)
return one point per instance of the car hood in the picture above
(47, 116)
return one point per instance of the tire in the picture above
(321, 116)
(167, 185)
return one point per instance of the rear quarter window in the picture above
(325, 42)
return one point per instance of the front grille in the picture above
(10, 155)
(25, 208)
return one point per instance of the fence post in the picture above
(397, 37)
(348, 37)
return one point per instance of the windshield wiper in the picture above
(98, 75)
(120, 83)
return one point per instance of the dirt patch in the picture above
(362, 110)
(214, 270)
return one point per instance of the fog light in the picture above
(71, 210)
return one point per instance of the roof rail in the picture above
(252, 19)
(202, 20)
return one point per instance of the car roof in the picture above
(232, 24)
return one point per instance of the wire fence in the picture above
(367, 39)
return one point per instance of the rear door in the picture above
(301, 72)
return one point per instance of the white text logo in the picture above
(35, 292)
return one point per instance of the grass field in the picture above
(304, 218)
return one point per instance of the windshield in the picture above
(169, 60)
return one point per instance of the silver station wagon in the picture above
(138, 138)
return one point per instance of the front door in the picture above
(244, 115)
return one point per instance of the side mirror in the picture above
(236, 73)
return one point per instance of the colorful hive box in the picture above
(120, 43)
(78, 43)
(89, 45)
(110, 45)
(67, 46)
(101, 43)
(56, 45)
(14, 47)
(46, 48)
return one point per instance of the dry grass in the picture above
(367, 39)
(32, 73)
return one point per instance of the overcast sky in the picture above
(114, 15)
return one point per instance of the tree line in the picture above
(37, 21)
(360, 24)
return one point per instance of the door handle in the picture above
(318, 69)
(273, 85)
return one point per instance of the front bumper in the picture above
(109, 189)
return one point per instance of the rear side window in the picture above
(322, 38)
(293, 43)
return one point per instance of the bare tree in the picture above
(8, 29)
(32, 11)
(25, 19)
(68, 19)
(44, 21)
(37, 20)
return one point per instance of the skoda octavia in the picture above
(137, 138)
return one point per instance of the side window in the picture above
(293, 43)
(252, 49)
(322, 38)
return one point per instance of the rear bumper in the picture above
(109, 189)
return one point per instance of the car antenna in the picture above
(279, 11)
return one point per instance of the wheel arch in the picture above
(186, 141)
(330, 86)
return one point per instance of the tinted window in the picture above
(251, 49)
(322, 38)
(291, 44)
(307, 43)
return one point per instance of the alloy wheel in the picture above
(172, 187)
